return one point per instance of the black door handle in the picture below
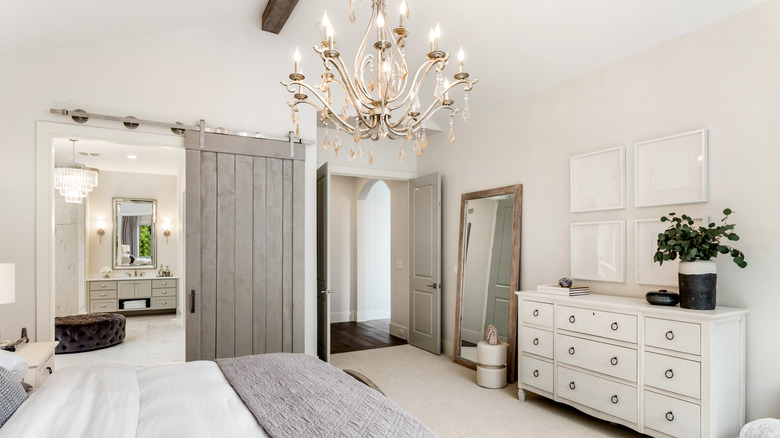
(192, 294)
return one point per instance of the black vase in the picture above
(698, 284)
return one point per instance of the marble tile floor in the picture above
(149, 340)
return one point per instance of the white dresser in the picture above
(109, 295)
(663, 371)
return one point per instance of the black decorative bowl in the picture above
(663, 298)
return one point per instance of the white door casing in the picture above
(323, 263)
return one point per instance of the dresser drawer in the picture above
(169, 282)
(671, 416)
(610, 397)
(603, 358)
(538, 313)
(167, 292)
(102, 285)
(102, 294)
(164, 303)
(536, 341)
(102, 306)
(673, 335)
(609, 325)
(673, 374)
(536, 373)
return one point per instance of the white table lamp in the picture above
(7, 283)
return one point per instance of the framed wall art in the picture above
(671, 170)
(598, 180)
(598, 250)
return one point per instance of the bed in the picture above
(272, 395)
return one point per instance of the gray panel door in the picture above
(245, 244)
(499, 287)
(425, 263)
(323, 263)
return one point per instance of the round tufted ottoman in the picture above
(88, 332)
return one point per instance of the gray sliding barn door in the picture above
(245, 247)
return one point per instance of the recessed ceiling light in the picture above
(132, 156)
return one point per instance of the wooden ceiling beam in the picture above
(276, 14)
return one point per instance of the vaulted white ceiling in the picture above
(515, 47)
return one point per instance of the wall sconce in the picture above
(100, 232)
(167, 231)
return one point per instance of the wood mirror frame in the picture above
(517, 190)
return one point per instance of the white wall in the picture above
(343, 250)
(216, 72)
(374, 240)
(723, 77)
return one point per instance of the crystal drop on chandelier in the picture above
(351, 154)
(401, 153)
(371, 154)
(352, 16)
(356, 133)
(337, 143)
(326, 141)
(360, 149)
(451, 137)
(466, 112)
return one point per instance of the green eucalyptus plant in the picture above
(683, 240)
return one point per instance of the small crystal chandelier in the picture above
(75, 181)
(380, 99)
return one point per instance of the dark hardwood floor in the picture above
(355, 336)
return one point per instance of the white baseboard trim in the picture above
(378, 314)
(399, 331)
(342, 317)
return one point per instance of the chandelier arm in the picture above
(417, 83)
(432, 109)
(362, 50)
(355, 95)
(359, 118)
(333, 117)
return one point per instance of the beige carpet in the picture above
(445, 396)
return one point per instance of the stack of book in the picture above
(559, 290)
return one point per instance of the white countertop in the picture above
(139, 277)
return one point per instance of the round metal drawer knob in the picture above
(536, 312)
(571, 350)
(571, 385)
(670, 335)
(669, 374)
(614, 361)
(536, 373)
(536, 341)
(670, 416)
(614, 399)
(102, 295)
(571, 319)
(614, 326)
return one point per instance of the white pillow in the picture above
(13, 363)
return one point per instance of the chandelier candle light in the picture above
(380, 100)
(75, 181)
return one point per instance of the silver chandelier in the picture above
(380, 99)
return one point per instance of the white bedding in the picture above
(190, 400)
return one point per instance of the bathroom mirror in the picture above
(135, 233)
(488, 271)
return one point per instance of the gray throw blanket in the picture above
(295, 395)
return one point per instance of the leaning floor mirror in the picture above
(488, 271)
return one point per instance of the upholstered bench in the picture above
(88, 332)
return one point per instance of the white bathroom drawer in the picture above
(673, 374)
(163, 303)
(102, 294)
(607, 396)
(536, 341)
(102, 306)
(609, 325)
(603, 358)
(537, 313)
(166, 292)
(672, 416)
(168, 282)
(102, 285)
(673, 335)
(536, 373)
